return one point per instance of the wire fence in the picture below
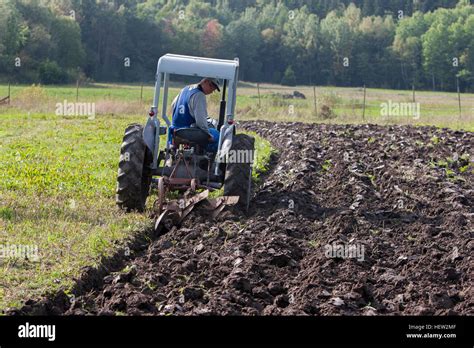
(309, 103)
(364, 105)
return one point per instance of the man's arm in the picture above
(198, 109)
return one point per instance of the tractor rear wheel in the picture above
(134, 173)
(238, 174)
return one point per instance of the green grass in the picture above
(57, 180)
(263, 153)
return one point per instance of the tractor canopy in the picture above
(225, 70)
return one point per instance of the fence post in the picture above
(9, 96)
(353, 106)
(459, 97)
(363, 110)
(315, 101)
(77, 89)
(413, 87)
(141, 93)
(258, 91)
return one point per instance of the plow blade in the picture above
(216, 206)
(177, 210)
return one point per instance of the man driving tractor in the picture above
(190, 110)
(192, 160)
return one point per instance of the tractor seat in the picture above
(191, 136)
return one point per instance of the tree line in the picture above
(398, 44)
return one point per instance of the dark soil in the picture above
(405, 194)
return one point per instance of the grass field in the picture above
(57, 173)
(345, 104)
(436, 108)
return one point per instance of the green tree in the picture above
(444, 44)
(289, 78)
(242, 39)
(466, 73)
(51, 73)
(66, 35)
(301, 39)
(339, 33)
(271, 52)
(407, 46)
(373, 60)
(14, 28)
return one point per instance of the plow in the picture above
(173, 212)
(185, 171)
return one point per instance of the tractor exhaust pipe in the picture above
(222, 107)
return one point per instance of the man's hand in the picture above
(210, 138)
(212, 123)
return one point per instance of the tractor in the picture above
(183, 164)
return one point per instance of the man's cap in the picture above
(213, 81)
